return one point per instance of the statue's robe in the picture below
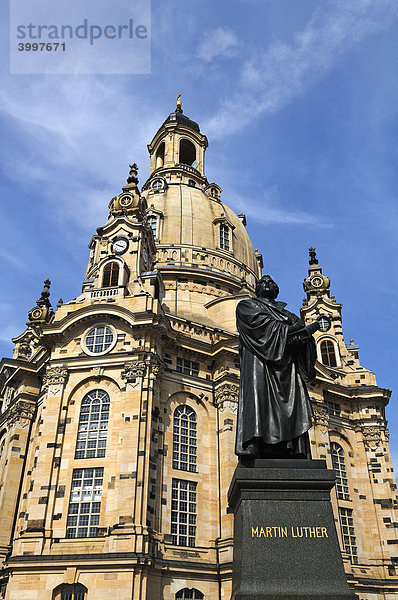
(273, 400)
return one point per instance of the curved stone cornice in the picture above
(88, 312)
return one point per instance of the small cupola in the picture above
(178, 144)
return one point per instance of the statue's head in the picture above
(267, 288)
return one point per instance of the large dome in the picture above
(202, 245)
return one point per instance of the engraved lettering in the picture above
(312, 531)
(295, 531)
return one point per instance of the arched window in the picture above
(338, 463)
(224, 236)
(214, 193)
(152, 223)
(75, 591)
(160, 156)
(187, 594)
(184, 439)
(110, 276)
(328, 353)
(187, 152)
(93, 425)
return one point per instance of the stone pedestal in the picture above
(285, 541)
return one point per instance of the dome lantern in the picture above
(178, 144)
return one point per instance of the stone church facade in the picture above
(118, 409)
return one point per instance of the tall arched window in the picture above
(328, 353)
(187, 152)
(75, 591)
(160, 156)
(187, 594)
(224, 236)
(110, 276)
(152, 223)
(93, 425)
(338, 463)
(184, 439)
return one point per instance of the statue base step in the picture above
(285, 541)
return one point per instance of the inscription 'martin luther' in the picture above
(277, 531)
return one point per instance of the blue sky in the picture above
(299, 101)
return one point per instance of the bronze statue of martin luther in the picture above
(277, 354)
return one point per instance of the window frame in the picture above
(340, 468)
(348, 535)
(194, 594)
(187, 367)
(222, 227)
(184, 495)
(103, 273)
(99, 451)
(83, 342)
(323, 319)
(94, 490)
(186, 441)
(78, 590)
(328, 338)
(154, 218)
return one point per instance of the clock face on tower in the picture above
(120, 245)
(316, 281)
(125, 201)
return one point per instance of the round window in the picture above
(324, 323)
(99, 340)
(157, 185)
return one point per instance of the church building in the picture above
(118, 408)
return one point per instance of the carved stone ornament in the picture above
(55, 375)
(54, 379)
(133, 369)
(21, 412)
(157, 369)
(371, 435)
(321, 418)
(227, 397)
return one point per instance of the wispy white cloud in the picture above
(274, 76)
(14, 261)
(269, 210)
(9, 331)
(72, 144)
(221, 41)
